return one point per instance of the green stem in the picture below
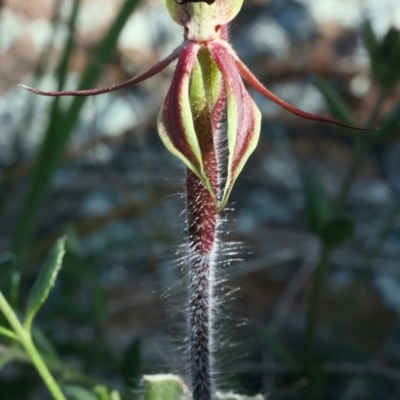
(67, 374)
(7, 333)
(361, 148)
(26, 340)
(347, 304)
(319, 276)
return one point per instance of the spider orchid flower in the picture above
(207, 89)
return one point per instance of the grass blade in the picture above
(336, 105)
(59, 129)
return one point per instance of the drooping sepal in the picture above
(176, 121)
(257, 85)
(243, 118)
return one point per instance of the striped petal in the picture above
(243, 118)
(176, 120)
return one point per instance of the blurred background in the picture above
(312, 197)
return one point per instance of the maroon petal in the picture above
(176, 125)
(243, 117)
(253, 81)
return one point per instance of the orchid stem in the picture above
(202, 225)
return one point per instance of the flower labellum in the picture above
(207, 92)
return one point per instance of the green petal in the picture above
(176, 122)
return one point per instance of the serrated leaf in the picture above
(281, 351)
(45, 281)
(131, 364)
(337, 107)
(318, 207)
(337, 232)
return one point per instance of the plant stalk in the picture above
(202, 226)
(26, 340)
(362, 146)
(319, 276)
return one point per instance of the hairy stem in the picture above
(202, 224)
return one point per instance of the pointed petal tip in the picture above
(257, 85)
(150, 72)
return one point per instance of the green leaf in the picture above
(318, 207)
(78, 393)
(99, 301)
(390, 55)
(281, 351)
(131, 364)
(45, 281)
(390, 44)
(59, 129)
(8, 333)
(115, 395)
(390, 125)
(101, 392)
(164, 387)
(337, 232)
(44, 164)
(337, 107)
(372, 45)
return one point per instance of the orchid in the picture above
(210, 122)
(207, 82)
